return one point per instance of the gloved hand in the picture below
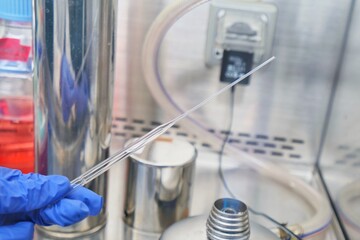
(26, 199)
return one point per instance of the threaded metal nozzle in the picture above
(228, 219)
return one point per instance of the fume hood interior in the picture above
(298, 114)
(292, 113)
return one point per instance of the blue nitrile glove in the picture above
(26, 199)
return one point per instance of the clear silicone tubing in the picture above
(349, 193)
(323, 214)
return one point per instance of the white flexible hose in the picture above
(346, 195)
(323, 214)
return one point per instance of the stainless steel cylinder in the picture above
(159, 179)
(73, 84)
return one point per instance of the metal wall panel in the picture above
(340, 159)
(342, 145)
(279, 116)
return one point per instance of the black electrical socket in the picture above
(234, 65)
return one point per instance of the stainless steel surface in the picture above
(193, 228)
(74, 57)
(159, 180)
(253, 188)
(342, 145)
(153, 134)
(256, 190)
(340, 158)
(279, 116)
(228, 219)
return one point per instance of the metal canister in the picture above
(159, 179)
(228, 219)
(73, 79)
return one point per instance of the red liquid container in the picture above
(17, 133)
(16, 105)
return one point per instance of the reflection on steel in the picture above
(158, 185)
(73, 77)
(228, 219)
